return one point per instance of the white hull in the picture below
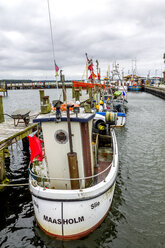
(120, 121)
(72, 214)
(68, 219)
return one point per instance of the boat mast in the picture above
(53, 50)
(87, 70)
(109, 72)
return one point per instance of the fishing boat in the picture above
(72, 178)
(134, 82)
(112, 102)
(73, 170)
(118, 110)
(134, 86)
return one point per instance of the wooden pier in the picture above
(12, 132)
(6, 85)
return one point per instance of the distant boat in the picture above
(72, 187)
(134, 87)
(134, 84)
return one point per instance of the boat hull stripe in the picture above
(73, 200)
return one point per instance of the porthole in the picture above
(61, 136)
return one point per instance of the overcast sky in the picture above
(108, 30)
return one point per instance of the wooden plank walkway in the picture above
(10, 134)
(82, 99)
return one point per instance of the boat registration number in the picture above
(95, 204)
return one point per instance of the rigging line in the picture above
(51, 32)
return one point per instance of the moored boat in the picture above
(134, 87)
(72, 186)
(112, 103)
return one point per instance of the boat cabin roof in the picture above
(81, 117)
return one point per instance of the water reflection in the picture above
(15, 204)
(137, 215)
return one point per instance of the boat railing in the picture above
(83, 182)
(115, 150)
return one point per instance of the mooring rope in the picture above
(14, 185)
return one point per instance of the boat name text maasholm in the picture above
(64, 221)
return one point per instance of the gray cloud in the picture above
(108, 30)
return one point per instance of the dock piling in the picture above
(42, 94)
(1, 110)
(25, 144)
(2, 166)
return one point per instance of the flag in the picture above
(90, 63)
(94, 75)
(90, 77)
(56, 68)
(90, 67)
(35, 148)
(98, 76)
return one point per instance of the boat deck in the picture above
(104, 155)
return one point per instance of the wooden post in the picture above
(1, 110)
(25, 143)
(63, 86)
(2, 166)
(6, 88)
(90, 94)
(77, 94)
(87, 90)
(42, 94)
(80, 89)
(73, 91)
(45, 105)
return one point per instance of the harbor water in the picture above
(137, 215)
